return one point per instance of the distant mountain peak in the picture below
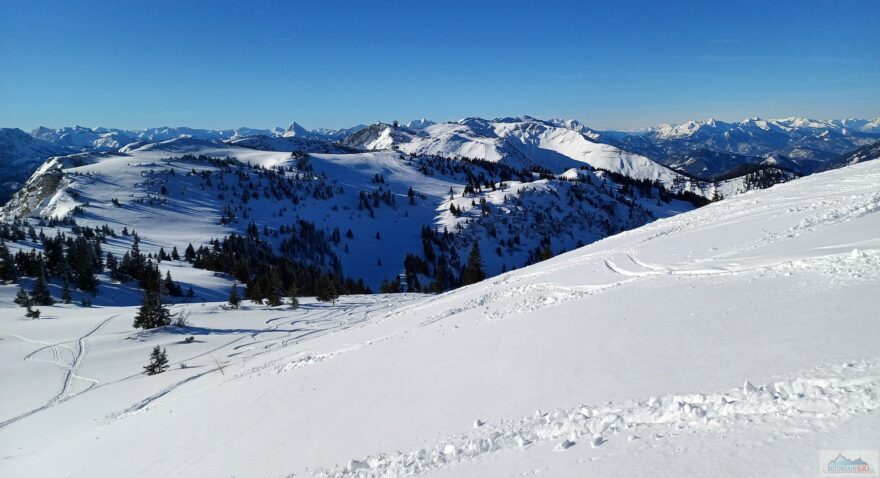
(420, 123)
(294, 129)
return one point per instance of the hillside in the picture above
(20, 155)
(737, 336)
(373, 208)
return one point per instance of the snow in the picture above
(93, 181)
(634, 350)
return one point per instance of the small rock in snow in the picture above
(597, 440)
(478, 423)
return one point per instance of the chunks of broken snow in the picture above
(850, 389)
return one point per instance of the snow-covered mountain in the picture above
(519, 142)
(420, 123)
(82, 138)
(331, 134)
(860, 125)
(720, 148)
(20, 155)
(386, 199)
(865, 153)
(734, 339)
(104, 139)
(704, 150)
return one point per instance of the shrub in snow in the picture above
(32, 313)
(158, 362)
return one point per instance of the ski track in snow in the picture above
(334, 318)
(538, 296)
(829, 210)
(783, 409)
(71, 370)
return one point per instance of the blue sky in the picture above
(620, 64)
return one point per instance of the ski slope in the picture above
(738, 339)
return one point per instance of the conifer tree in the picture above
(473, 270)
(22, 298)
(273, 289)
(113, 267)
(327, 290)
(158, 362)
(66, 296)
(7, 266)
(152, 312)
(291, 294)
(170, 287)
(234, 299)
(40, 294)
(189, 254)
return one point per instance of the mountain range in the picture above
(708, 151)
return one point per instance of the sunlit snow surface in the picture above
(192, 212)
(739, 339)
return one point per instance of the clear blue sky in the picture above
(617, 64)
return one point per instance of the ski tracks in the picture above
(71, 369)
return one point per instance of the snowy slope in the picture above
(135, 176)
(731, 340)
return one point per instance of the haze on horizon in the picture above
(622, 66)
